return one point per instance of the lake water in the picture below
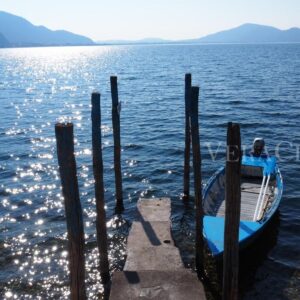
(255, 85)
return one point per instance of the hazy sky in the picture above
(170, 19)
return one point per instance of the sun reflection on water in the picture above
(42, 86)
(49, 85)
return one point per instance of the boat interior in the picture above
(257, 194)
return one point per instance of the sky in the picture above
(168, 19)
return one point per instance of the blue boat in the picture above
(261, 193)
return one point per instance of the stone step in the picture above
(156, 285)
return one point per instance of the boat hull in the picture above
(213, 226)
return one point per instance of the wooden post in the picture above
(197, 180)
(232, 213)
(99, 188)
(187, 149)
(67, 169)
(117, 143)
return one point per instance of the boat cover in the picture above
(268, 163)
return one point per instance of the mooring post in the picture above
(232, 213)
(67, 168)
(197, 180)
(187, 149)
(117, 143)
(99, 188)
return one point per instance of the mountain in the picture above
(19, 32)
(246, 33)
(3, 41)
(252, 33)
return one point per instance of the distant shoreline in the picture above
(17, 32)
(150, 44)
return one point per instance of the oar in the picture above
(263, 198)
(258, 200)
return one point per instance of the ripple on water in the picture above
(41, 86)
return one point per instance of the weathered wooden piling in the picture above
(117, 143)
(99, 188)
(232, 213)
(187, 149)
(67, 169)
(199, 246)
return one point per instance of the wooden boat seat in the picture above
(250, 189)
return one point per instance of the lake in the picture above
(255, 85)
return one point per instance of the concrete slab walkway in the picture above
(153, 268)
